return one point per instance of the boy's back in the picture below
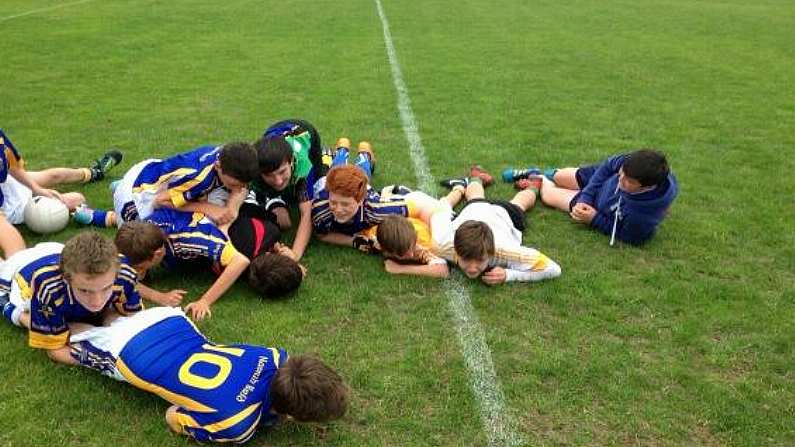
(192, 237)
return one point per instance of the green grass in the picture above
(686, 341)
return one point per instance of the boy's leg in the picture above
(343, 148)
(566, 178)
(524, 199)
(455, 195)
(530, 190)
(96, 217)
(365, 159)
(474, 189)
(52, 177)
(556, 197)
(10, 239)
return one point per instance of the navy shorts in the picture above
(583, 176)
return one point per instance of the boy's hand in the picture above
(51, 193)
(494, 276)
(365, 244)
(173, 298)
(583, 213)
(391, 266)
(281, 249)
(221, 215)
(198, 310)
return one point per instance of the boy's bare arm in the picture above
(336, 238)
(171, 298)
(438, 270)
(62, 355)
(201, 307)
(21, 175)
(304, 231)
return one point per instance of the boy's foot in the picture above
(102, 166)
(343, 142)
(365, 147)
(83, 215)
(511, 175)
(478, 171)
(387, 192)
(455, 181)
(533, 182)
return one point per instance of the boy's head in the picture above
(90, 263)
(643, 169)
(308, 390)
(275, 161)
(237, 165)
(273, 275)
(143, 243)
(347, 185)
(397, 237)
(474, 245)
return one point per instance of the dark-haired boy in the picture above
(180, 182)
(485, 238)
(219, 393)
(290, 161)
(186, 240)
(627, 196)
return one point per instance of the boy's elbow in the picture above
(553, 269)
(636, 238)
(442, 271)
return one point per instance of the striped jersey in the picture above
(53, 303)
(222, 391)
(192, 237)
(186, 177)
(9, 159)
(370, 213)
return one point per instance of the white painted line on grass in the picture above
(36, 11)
(483, 379)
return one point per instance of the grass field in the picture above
(686, 341)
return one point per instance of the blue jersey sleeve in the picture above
(322, 219)
(126, 299)
(605, 171)
(45, 289)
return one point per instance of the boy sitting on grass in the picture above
(626, 196)
(50, 285)
(219, 393)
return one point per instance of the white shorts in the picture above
(11, 266)
(113, 338)
(124, 198)
(16, 197)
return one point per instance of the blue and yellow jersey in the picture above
(371, 212)
(222, 391)
(53, 303)
(9, 159)
(186, 177)
(192, 237)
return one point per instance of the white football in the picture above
(44, 215)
